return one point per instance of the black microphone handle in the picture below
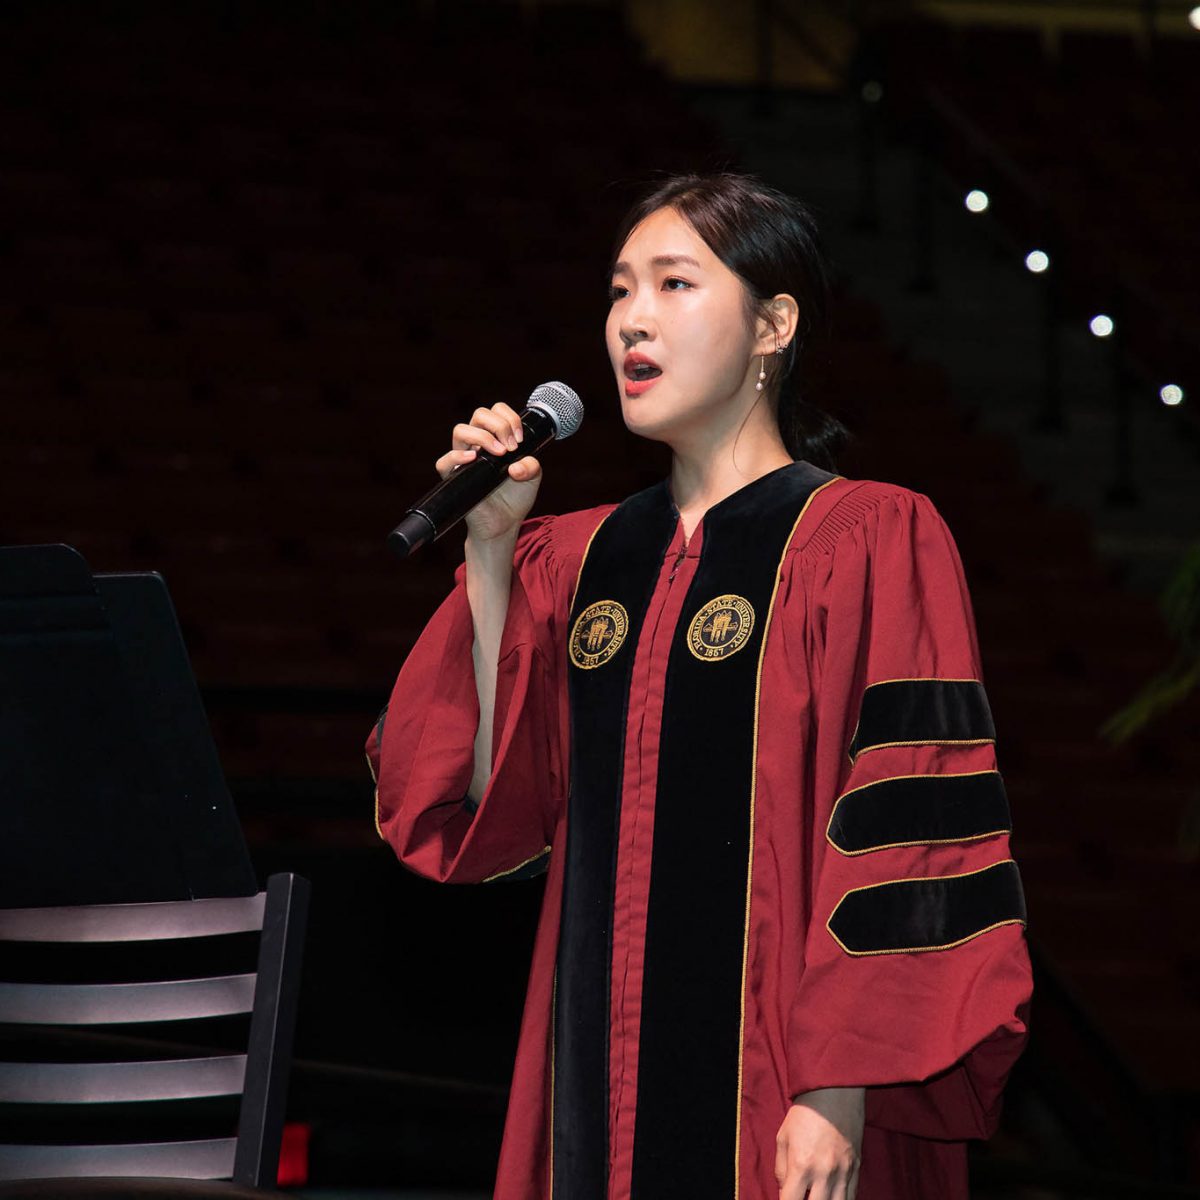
(445, 504)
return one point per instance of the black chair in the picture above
(259, 1077)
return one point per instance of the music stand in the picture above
(110, 785)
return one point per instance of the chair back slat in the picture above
(89, 1083)
(212, 1159)
(34, 1009)
(125, 1003)
(160, 921)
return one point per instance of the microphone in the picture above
(554, 411)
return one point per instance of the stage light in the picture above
(1194, 18)
(977, 201)
(1101, 325)
(1037, 261)
(1171, 394)
(872, 91)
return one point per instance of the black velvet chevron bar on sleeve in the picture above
(933, 913)
(910, 810)
(906, 712)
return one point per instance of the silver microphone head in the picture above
(561, 404)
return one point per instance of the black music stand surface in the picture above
(110, 786)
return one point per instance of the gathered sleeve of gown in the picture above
(421, 750)
(916, 979)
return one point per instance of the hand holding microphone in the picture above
(497, 431)
(491, 475)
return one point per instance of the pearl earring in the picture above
(762, 373)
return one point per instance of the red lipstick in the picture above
(641, 373)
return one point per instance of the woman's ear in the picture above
(777, 323)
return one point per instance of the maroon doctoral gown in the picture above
(759, 767)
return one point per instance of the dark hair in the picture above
(770, 241)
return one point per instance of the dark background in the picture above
(256, 260)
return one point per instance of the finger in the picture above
(795, 1185)
(452, 460)
(525, 469)
(827, 1187)
(852, 1183)
(512, 417)
(466, 437)
(497, 425)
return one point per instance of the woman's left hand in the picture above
(818, 1145)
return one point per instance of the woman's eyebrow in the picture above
(660, 260)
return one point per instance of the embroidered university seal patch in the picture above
(598, 633)
(721, 628)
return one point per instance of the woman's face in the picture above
(678, 339)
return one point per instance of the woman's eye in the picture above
(682, 282)
(615, 292)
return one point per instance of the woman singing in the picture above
(739, 720)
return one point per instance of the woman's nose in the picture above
(635, 328)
